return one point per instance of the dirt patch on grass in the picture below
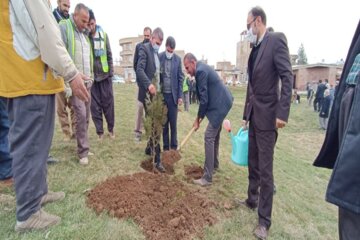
(168, 159)
(193, 172)
(164, 208)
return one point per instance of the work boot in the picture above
(52, 197)
(38, 221)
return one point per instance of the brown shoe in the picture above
(243, 203)
(51, 197)
(38, 221)
(261, 232)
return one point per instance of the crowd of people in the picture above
(67, 59)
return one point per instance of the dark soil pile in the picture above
(164, 208)
(168, 159)
(193, 172)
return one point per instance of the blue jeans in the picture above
(5, 159)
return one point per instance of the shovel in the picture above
(187, 137)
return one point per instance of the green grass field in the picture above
(299, 211)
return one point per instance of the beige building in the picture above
(128, 46)
(242, 56)
(315, 72)
(226, 72)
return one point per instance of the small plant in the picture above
(156, 116)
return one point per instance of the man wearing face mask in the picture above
(147, 68)
(266, 109)
(171, 78)
(74, 35)
(140, 107)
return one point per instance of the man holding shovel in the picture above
(215, 101)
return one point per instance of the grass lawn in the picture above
(299, 209)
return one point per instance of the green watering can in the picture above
(240, 145)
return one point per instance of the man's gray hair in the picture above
(190, 57)
(81, 6)
(158, 33)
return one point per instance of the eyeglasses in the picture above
(248, 25)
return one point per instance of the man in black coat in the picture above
(266, 109)
(140, 106)
(340, 150)
(147, 68)
(215, 101)
(319, 96)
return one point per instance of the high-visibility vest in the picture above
(70, 33)
(103, 57)
(185, 85)
(20, 77)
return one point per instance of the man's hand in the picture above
(245, 124)
(196, 124)
(180, 101)
(280, 123)
(78, 87)
(152, 89)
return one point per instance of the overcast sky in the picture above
(212, 28)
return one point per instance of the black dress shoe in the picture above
(160, 167)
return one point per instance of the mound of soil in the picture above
(168, 159)
(164, 208)
(193, 172)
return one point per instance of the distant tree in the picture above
(302, 60)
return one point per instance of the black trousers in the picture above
(172, 111)
(349, 225)
(261, 180)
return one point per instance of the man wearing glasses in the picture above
(266, 109)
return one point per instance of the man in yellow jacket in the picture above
(31, 52)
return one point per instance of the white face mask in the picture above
(251, 37)
(168, 55)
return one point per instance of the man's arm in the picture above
(51, 47)
(283, 66)
(201, 80)
(180, 80)
(109, 56)
(140, 68)
(136, 53)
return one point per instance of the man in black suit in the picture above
(340, 150)
(319, 96)
(140, 106)
(266, 109)
(171, 79)
(215, 101)
(147, 68)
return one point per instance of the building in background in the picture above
(315, 72)
(126, 68)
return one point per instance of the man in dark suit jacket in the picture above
(147, 68)
(215, 101)
(340, 149)
(266, 109)
(140, 106)
(319, 96)
(171, 78)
